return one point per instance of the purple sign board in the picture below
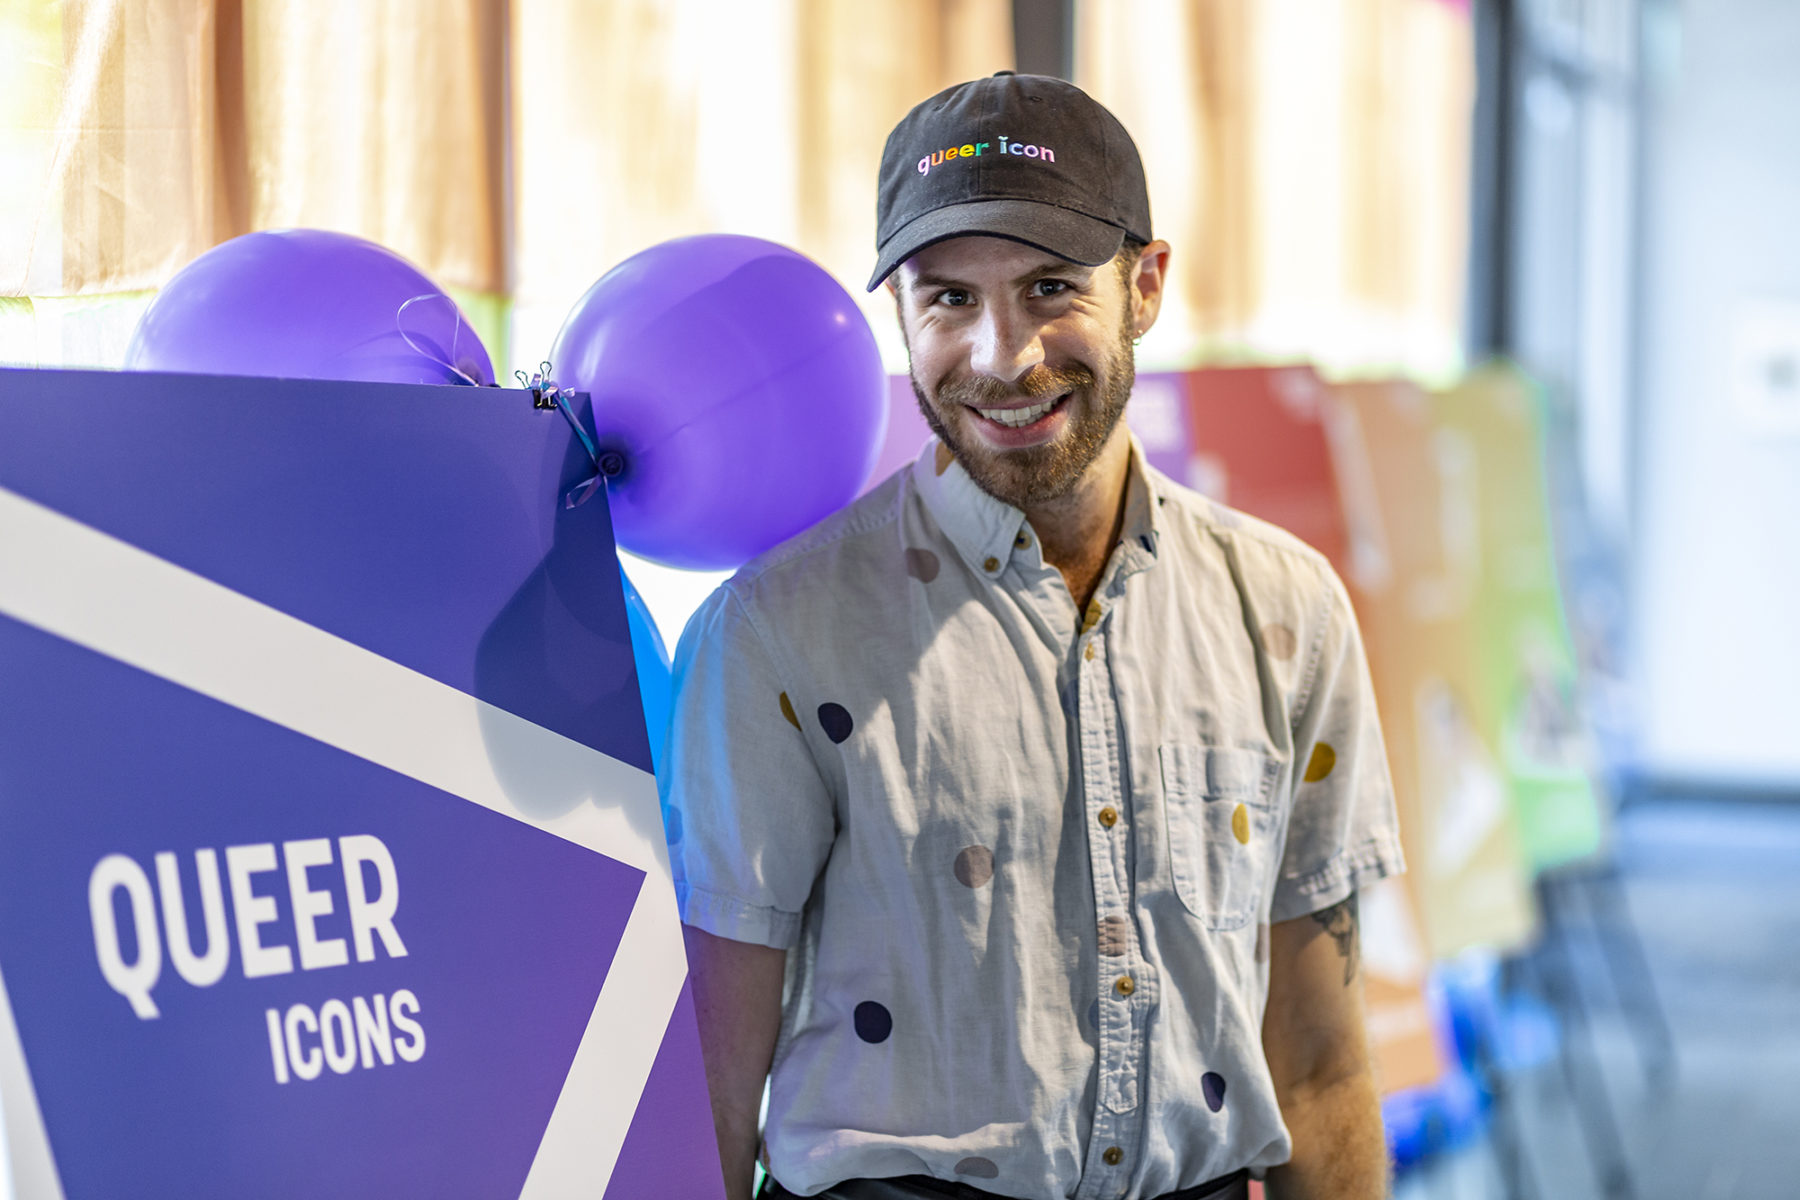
(332, 861)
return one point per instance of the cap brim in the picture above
(1063, 232)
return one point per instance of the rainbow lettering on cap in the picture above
(975, 149)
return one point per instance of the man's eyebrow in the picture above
(927, 282)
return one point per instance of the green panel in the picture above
(18, 332)
(70, 331)
(1527, 697)
(491, 315)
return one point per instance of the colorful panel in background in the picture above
(1525, 696)
(1417, 607)
(906, 432)
(1260, 445)
(1403, 1040)
(334, 659)
(1158, 415)
(1259, 440)
(491, 315)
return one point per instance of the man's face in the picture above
(1021, 361)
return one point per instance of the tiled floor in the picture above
(1712, 887)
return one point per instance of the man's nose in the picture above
(1007, 344)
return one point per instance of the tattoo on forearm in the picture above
(1342, 923)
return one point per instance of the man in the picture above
(1023, 804)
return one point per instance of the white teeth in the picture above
(1016, 418)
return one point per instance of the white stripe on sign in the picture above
(96, 591)
(31, 1173)
(620, 1043)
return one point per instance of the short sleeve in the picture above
(749, 818)
(1342, 831)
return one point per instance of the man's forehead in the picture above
(981, 255)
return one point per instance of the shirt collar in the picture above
(986, 531)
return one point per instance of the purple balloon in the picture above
(740, 387)
(308, 304)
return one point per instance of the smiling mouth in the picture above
(1018, 418)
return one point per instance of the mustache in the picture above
(1039, 383)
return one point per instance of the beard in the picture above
(1035, 475)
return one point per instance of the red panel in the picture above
(1260, 445)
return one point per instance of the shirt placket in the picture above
(1124, 981)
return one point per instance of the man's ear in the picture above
(1148, 280)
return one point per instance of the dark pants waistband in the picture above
(1235, 1186)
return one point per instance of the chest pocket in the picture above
(1219, 825)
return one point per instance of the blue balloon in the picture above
(656, 687)
(738, 388)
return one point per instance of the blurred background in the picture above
(1497, 302)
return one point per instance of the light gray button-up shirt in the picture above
(1024, 857)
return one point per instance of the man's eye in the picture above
(954, 297)
(1048, 287)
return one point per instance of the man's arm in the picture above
(1313, 1037)
(737, 1003)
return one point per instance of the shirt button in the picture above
(1093, 616)
(1112, 1156)
(1023, 541)
(992, 564)
(1109, 816)
(1124, 986)
(1089, 652)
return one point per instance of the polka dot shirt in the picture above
(1024, 857)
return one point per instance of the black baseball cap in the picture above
(1027, 157)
